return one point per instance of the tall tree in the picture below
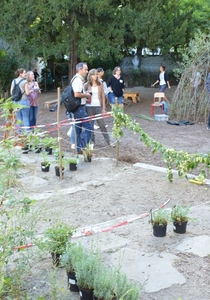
(91, 29)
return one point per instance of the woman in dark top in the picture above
(116, 86)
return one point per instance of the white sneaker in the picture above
(106, 125)
(96, 127)
(73, 146)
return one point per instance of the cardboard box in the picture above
(161, 117)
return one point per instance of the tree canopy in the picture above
(103, 29)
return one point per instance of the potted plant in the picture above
(159, 220)
(49, 143)
(124, 289)
(87, 152)
(104, 284)
(179, 217)
(68, 260)
(73, 161)
(57, 159)
(35, 141)
(86, 269)
(45, 164)
(56, 238)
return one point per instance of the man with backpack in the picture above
(83, 129)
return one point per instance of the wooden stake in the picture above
(59, 134)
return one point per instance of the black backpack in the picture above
(70, 101)
(16, 92)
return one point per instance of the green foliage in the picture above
(45, 158)
(86, 269)
(159, 217)
(181, 160)
(49, 142)
(8, 63)
(124, 289)
(76, 28)
(179, 213)
(189, 103)
(56, 237)
(72, 160)
(104, 283)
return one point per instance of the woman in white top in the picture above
(163, 82)
(96, 103)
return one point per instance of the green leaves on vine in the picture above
(180, 160)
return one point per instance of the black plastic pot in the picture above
(159, 230)
(44, 167)
(180, 227)
(25, 150)
(38, 149)
(87, 159)
(72, 282)
(72, 167)
(56, 259)
(57, 171)
(85, 294)
(49, 151)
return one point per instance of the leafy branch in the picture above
(181, 160)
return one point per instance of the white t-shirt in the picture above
(94, 99)
(162, 80)
(77, 86)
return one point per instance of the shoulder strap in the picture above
(73, 78)
(19, 81)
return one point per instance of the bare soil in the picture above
(106, 192)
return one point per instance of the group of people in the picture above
(93, 94)
(27, 116)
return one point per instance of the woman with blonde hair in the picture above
(33, 97)
(96, 103)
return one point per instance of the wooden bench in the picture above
(47, 104)
(134, 96)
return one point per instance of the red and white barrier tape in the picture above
(90, 231)
(66, 122)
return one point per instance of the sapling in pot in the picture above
(159, 220)
(179, 217)
(56, 238)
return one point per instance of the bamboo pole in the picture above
(59, 134)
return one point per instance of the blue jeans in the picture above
(72, 137)
(162, 88)
(23, 114)
(165, 107)
(112, 98)
(83, 137)
(33, 115)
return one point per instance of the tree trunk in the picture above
(73, 52)
(73, 60)
(139, 54)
